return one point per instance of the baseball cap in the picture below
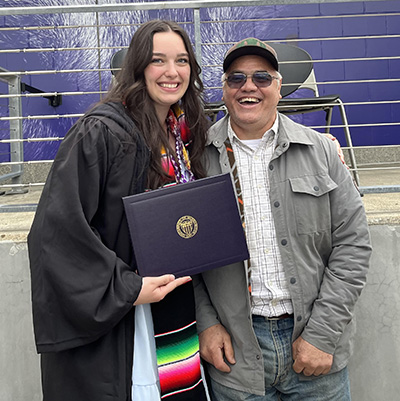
(251, 46)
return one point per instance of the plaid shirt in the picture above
(270, 296)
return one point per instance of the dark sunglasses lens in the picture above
(236, 81)
(262, 79)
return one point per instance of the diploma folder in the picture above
(187, 228)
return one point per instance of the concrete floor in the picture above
(382, 208)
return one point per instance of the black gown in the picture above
(82, 264)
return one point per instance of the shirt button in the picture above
(266, 251)
(284, 242)
(284, 145)
(299, 318)
(271, 167)
(276, 204)
(258, 357)
(316, 188)
(292, 280)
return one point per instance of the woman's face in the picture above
(167, 76)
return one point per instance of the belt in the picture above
(284, 316)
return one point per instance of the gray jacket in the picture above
(324, 242)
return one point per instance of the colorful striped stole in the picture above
(175, 332)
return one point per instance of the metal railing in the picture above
(16, 116)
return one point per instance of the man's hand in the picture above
(309, 359)
(216, 346)
(154, 289)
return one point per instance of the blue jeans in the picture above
(281, 382)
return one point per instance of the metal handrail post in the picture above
(16, 147)
(197, 36)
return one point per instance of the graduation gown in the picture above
(82, 263)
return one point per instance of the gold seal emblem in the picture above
(186, 227)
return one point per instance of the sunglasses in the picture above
(262, 79)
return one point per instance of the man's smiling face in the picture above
(252, 109)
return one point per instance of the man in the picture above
(281, 327)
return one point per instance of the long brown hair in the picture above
(130, 88)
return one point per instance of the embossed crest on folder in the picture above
(187, 227)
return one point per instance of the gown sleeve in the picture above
(82, 286)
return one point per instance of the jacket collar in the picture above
(288, 132)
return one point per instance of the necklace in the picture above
(181, 164)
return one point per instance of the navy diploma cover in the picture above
(186, 228)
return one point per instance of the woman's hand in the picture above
(154, 289)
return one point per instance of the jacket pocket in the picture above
(311, 202)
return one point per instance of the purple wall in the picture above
(300, 29)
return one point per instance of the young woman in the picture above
(149, 131)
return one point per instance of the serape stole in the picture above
(177, 343)
(177, 346)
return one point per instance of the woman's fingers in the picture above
(154, 289)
